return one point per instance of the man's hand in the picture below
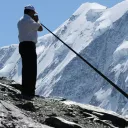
(35, 18)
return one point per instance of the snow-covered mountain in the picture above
(100, 35)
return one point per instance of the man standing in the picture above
(28, 26)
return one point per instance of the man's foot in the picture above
(27, 97)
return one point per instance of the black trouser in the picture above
(27, 50)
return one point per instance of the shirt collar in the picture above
(27, 16)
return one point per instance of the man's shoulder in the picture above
(20, 19)
(23, 19)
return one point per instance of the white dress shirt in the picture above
(27, 29)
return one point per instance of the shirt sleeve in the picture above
(34, 25)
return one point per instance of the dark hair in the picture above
(26, 11)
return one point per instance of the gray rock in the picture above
(12, 117)
(59, 122)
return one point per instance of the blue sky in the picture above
(52, 13)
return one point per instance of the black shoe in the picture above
(27, 97)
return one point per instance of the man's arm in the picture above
(36, 19)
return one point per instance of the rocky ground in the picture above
(40, 112)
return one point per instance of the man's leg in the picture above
(32, 70)
(29, 67)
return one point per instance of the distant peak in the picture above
(12, 45)
(94, 5)
(87, 6)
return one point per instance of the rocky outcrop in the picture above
(12, 117)
(39, 112)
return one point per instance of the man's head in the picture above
(29, 10)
